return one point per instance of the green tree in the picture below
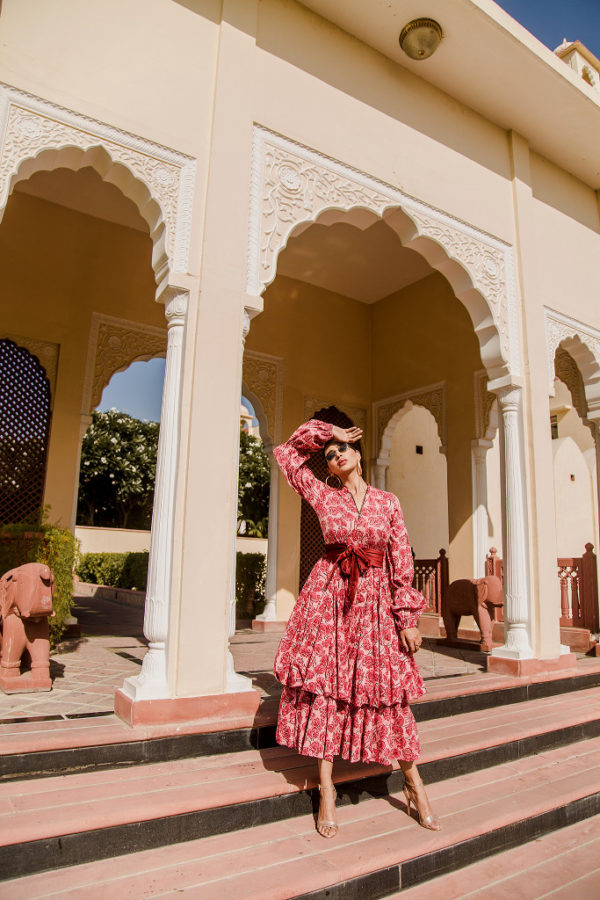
(117, 472)
(253, 487)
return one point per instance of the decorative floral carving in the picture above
(567, 370)
(34, 125)
(114, 345)
(561, 328)
(433, 399)
(292, 184)
(45, 352)
(263, 376)
(484, 400)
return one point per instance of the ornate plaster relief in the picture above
(113, 345)
(432, 397)
(356, 413)
(292, 184)
(29, 126)
(561, 328)
(262, 374)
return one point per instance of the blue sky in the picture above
(138, 390)
(552, 20)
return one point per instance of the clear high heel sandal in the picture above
(430, 821)
(326, 823)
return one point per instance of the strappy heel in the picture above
(430, 821)
(326, 823)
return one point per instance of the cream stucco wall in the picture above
(420, 482)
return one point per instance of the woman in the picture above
(346, 659)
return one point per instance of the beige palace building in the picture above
(278, 199)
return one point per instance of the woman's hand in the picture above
(347, 435)
(411, 639)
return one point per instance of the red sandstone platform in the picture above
(43, 808)
(283, 859)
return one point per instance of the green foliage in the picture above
(250, 573)
(253, 487)
(117, 472)
(118, 570)
(53, 546)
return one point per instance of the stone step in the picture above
(377, 850)
(32, 749)
(63, 820)
(564, 865)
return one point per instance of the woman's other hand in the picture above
(347, 435)
(411, 639)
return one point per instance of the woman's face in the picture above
(341, 459)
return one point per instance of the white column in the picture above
(236, 682)
(379, 469)
(479, 449)
(517, 643)
(151, 683)
(85, 420)
(269, 613)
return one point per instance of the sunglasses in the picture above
(341, 448)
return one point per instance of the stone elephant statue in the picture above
(477, 597)
(25, 607)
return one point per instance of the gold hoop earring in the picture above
(338, 486)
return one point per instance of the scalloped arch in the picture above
(113, 172)
(294, 186)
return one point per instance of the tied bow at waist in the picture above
(353, 562)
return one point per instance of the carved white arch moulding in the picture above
(386, 414)
(486, 415)
(262, 378)
(293, 185)
(582, 342)
(38, 135)
(113, 345)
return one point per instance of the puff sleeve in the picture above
(291, 456)
(406, 602)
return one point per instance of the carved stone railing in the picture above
(578, 587)
(579, 590)
(431, 579)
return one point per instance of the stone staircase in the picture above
(232, 814)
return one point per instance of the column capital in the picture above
(176, 303)
(509, 397)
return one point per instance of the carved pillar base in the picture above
(230, 710)
(502, 665)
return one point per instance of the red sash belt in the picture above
(353, 562)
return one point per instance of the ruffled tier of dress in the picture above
(354, 658)
(323, 728)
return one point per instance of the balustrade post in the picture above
(517, 644)
(151, 683)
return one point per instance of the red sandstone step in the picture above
(564, 864)
(60, 805)
(284, 859)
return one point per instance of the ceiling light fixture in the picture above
(420, 38)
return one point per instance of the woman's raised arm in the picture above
(291, 456)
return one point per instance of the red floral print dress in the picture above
(347, 679)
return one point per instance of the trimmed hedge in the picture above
(250, 574)
(55, 547)
(117, 570)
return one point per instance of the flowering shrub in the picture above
(117, 471)
(253, 488)
(250, 573)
